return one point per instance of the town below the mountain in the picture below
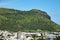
(6, 35)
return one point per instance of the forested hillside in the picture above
(32, 20)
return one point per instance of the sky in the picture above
(52, 7)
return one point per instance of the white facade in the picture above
(5, 35)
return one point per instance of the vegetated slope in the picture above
(17, 20)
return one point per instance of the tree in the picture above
(58, 38)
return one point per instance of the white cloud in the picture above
(6, 2)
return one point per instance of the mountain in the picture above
(32, 20)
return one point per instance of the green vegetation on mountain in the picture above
(17, 20)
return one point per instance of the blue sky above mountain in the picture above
(52, 7)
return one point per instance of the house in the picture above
(5, 35)
(50, 37)
(28, 36)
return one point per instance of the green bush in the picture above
(40, 39)
(58, 38)
(1, 39)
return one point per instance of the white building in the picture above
(5, 35)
